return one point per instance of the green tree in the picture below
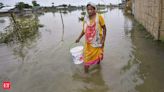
(64, 5)
(34, 3)
(27, 6)
(52, 4)
(20, 5)
(1, 5)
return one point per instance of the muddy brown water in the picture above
(132, 62)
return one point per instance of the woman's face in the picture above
(91, 10)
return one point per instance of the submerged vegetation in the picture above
(20, 29)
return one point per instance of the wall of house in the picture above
(150, 13)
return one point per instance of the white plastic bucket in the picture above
(77, 54)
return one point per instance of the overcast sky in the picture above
(58, 2)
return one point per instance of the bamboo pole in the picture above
(62, 39)
(17, 27)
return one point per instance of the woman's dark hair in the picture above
(90, 5)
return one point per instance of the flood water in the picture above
(132, 62)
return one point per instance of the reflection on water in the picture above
(150, 53)
(4, 22)
(92, 83)
(121, 67)
(20, 34)
(47, 66)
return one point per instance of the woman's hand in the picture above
(102, 43)
(104, 36)
(81, 35)
(77, 41)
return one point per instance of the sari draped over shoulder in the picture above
(93, 50)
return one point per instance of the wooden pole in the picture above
(17, 27)
(62, 39)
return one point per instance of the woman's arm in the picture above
(102, 24)
(104, 35)
(81, 35)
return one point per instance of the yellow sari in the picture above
(93, 55)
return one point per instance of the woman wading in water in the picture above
(94, 30)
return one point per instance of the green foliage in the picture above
(1, 5)
(22, 5)
(24, 29)
(27, 6)
(64, 5)
(34, 3)
(52, 4)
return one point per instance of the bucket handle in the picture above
(75, 44)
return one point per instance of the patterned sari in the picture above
(93, 52)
